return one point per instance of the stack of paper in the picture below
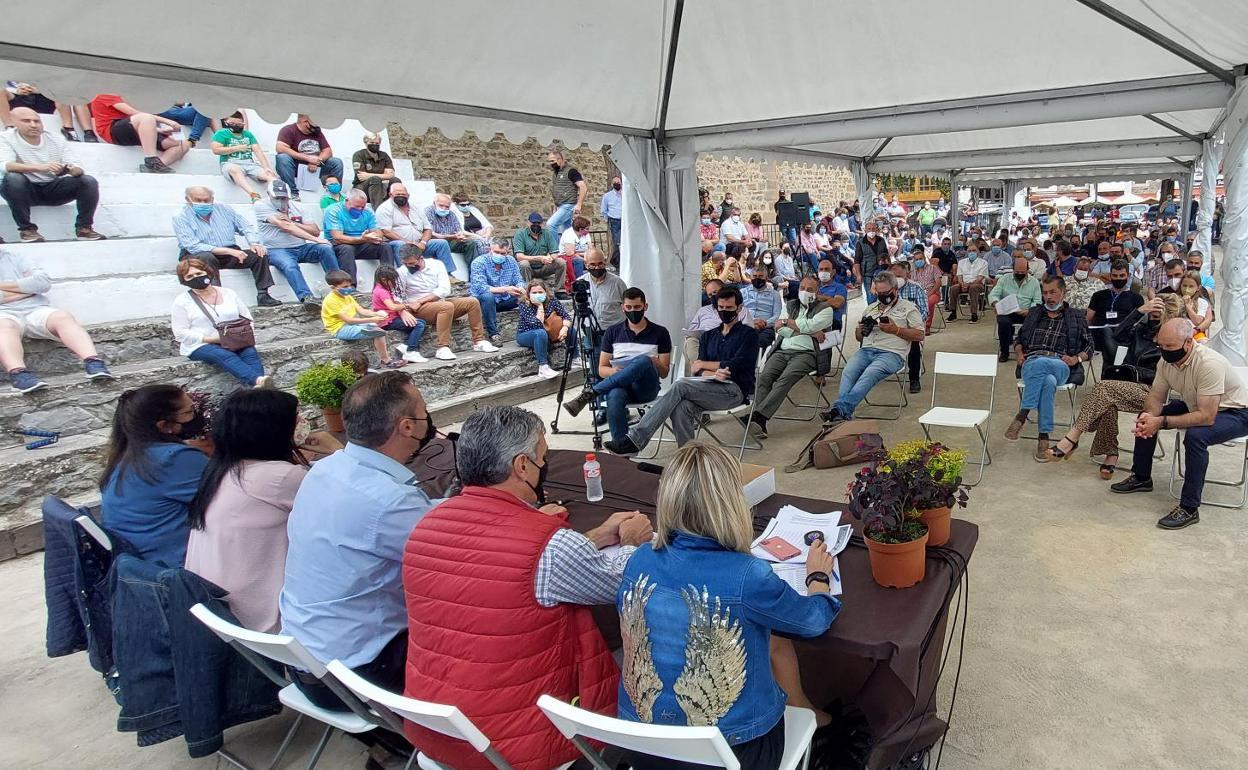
(792, 525)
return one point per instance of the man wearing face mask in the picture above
(403, 223)
(500, 538)
(494, 279)
(567, 191)
(343, 592)
(352, 228)
(871, 251)
(999, 260)
(832, 291)
(612, 210)
(732, 230)
(290, 240)
(706, 318)
(1109, 306)
(606, 289)
(447, 225)
(1101, 266)
(241, 156)
(1026, 289)
(916, 295)
(208, 231)
(763, 302)
(1212, 408)
(374, 170)
(1079, 286)
(897, 324)
(1051, 348)
(427, 292)
(302, 143)
(537, 251)
(971, 279)
(804, 326)
(722, 377)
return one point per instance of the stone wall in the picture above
(756, 184)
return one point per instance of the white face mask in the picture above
(1174, 283)
(805, 297)
(901, 282)
(736, 218)
(824, 276)
(1081, 275)
(766, 260)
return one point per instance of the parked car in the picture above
(1133, 212)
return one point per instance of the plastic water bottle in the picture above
(593, 478)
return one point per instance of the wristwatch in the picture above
(818, 577)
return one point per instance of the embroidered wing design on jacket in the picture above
(638, 675)
(714, 673)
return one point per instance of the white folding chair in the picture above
(1069, 388)
(94, 531)
(392, 708)
(820, 382)
(748, 406)
(262, 651)
(1176, 464)
(697, 745)
(963, 365)
(673, 373)
(902, 379)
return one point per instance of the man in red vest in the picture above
(498, 595)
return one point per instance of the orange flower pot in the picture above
(333, 420)
(937, 521)
(898, 565)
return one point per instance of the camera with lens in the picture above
(580, 293)
(868, 325)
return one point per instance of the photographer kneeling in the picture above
(887, 328)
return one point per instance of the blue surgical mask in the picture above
(442, 212)
(345, 291)
(334, 188)
(498, 259)
(1053, 308)
(706, 220)
(355, 213)
(920, 262)
(972, 255)
(464, 207)
(537, 299)
(1027, 255)
(202, 209)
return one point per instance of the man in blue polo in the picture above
(352, 229)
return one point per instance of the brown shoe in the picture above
(88, 234)
(1012, 432)
(1042, 450)
(30, 235)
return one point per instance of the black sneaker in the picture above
(264, 299)
(951, 317)
(89, 137)
(154, 166)
(69, 134)
(1132, 484)
(1003, 357)
(311, 302)
(831, 416)
(916, 387)
(624, 446)
(577, 404)
(974, 318)
(1179, 518)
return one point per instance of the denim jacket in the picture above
(696, 620)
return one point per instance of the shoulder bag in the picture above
(234, 335)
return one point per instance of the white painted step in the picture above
(126, 220)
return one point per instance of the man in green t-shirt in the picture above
(927, 218)
(241, 156)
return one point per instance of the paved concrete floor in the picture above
(1095, 639)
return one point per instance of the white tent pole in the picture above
(954, 206)
(1210, 161)
(1185, 205)
(1053, 154)
(1232, 341)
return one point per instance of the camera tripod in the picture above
(588, 332)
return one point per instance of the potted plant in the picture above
(205, 406)
(896, 539)
(323, 385)
(934, 474)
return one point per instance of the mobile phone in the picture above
(780, 548)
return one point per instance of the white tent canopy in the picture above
(652, 70)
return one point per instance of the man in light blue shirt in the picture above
(612, 210)
(343, 594)
(761, 300)
(209, 231)
(494, 279)
(352, 228)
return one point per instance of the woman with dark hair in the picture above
(238, 517)
(195, 317)
(389, 298)
(151, 476)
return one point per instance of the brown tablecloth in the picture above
(877, 656)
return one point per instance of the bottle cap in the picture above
(591, 457)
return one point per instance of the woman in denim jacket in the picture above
(697, 613)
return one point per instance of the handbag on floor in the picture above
(845, 443)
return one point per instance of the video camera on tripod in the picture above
(588, 333)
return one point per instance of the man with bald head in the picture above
(1212, 408)
(40, 171)
(209, 231)
(303, 143)
(374, 170)
(400, 221)
(446, 225)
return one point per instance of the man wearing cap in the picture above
(291, 239)
(536, 249)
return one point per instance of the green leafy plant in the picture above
(324, 384)
(933, 471)
(880, 498)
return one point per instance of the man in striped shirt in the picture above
(209, 231)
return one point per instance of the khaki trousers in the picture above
(442, 313)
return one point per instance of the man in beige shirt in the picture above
(1212, 407)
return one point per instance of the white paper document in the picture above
(792, 524)
(795, 576)
(1008, 304)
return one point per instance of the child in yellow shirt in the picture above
(346, 320)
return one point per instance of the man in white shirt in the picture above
(972, 279)
(732, 230)
(574, 243)
(427, 292)
(40, 171)
(400, 221)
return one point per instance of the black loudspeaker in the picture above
(801, 199)
(792, 214)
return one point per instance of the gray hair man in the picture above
(374, 170)
(500, 538)
(352, 228)
(494, 279)
(209, 231)
(886, 329)
(1212, 408)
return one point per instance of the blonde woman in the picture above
(697, 613)
(1099, 412)
(536, 307)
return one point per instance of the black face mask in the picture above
(235, 127)
(539, 489)
(1173, 356)
(373, 147)
(424, 440)
(554, 167)
(535, 229)
(634, 316)
(400, 200)
(198, 282)
(1020, 277)
(413, 268)
(196, 425)
(758, 283)
(728, 316)
(616, 186)
(1119, 283)
(596, 272)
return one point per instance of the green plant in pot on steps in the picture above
(323, 385)
(935, 482)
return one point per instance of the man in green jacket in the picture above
(537, 250)
(1026, 289)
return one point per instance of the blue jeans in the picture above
(560, 220)
(414, 333)
(537, 339)
(352, 332)
(614, 226)
(187, 115)
(865, 370)
(439, 249)
(490, 305)
(790, 234)
(637, 381)
(244, 365)
(1229, 424)
(1041, 376)
(287, 262)
(287, 168)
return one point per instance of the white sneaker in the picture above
(546, 373)
(484, 346)
(401, 348)
(414, 357)
(444, 354)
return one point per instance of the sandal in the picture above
(1057, 454)
(1107, 470)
